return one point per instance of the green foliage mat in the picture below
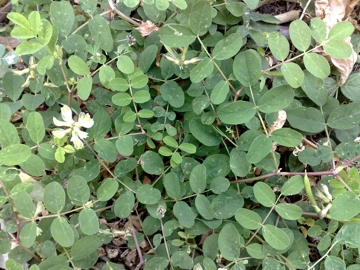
(193, 131)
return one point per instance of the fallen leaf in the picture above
(146, 28)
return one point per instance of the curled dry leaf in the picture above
(146, 28)
(279, 122)
(332, 12)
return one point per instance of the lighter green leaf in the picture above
(314, 88)
(202, 70)
(28, 47)
(131, 3)
(289, 211)
(317, 65)
(28, 234)
(293, 74)
(59, 11)
(105, 150)
(279, 46)
(300, 35)
(78, 66)
(248, 219)
(45, 32)
(227, 47)
(14, 154)
(22, 33)
(275, 237)
(264, 194)
(121, 99)
(8, 134)
(84, 87)
(78, 190)
(100, 32)
(107, 189)
(338, 49)
(62, 232)
(124, 204)
(89, 221)
(35, 126)
(125, 64)
(341, 213)
(34, 19)
(238, 163)
(184, 214)
(172, 93)
(220, 92)
(318, 29)
(293, 186)
(152, 163)
(19, 19)
(341, 30)
(203, 206)
(204, 133)
(125, 145)
(54, 197)
(24, 204)
(176, 35)
(287, 137)
(259, 149)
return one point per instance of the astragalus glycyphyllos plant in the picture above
(177, 135)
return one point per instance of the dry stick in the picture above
(122, 15)
(305, 8)
(142, 262)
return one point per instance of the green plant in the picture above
(183, 124)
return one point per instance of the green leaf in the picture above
(100, 32)
(141, 96)
(34, 19)
(78, 190)
(338, 49)
(293, 74)
(203, 206)
(317, 65)
(24, 204)
(152, 163)
(8, 134)
(252, 4)
(198, 178)
(289, 211)
(318, 29)
(235, 8)
(54, 197)
(121, 99)
(229, 242)
(247, 67)
(34, 166)
(275, 237)
(176, 35)
(220, 92)
(226, 204)
(184, 214)
(248, 219)
(300, 35)
(28, 47)
(259, 149)
(45, 32)
(171, 92)
(293, 186)
(235, 113)
(219, 185)
(350, 87)
(182, 260)
(170, 141)
(78, 66)
(345, 235)
(255, 250)
(105, 150)
(238, 163)
(172, 186)
(286, 137)
(276, 99)
(124, 145)
(341, 213)
(28, 234)
(181, 4)
(31, 102)
(107, 189)
(35, 126)
(306, 119)
(314, 157)
(12, 265)
(314, 89)
(19, 19)
(341, 30)
(12, 85)
(62, 232)
(147, 57)
(59, 11)
(144, 113)
(146, 194)
(131, 3)
(5, 113)
(227, 47)
(22, 33)
(14, 154)
(84, 87)
(264, 194)
(204, 133)
(162, 4)
(279, 46)
(188, 148)
(45, 63)
(5, 243)
(345, 116)
(333, 262)
(125, 64)
(202, 70)
(200, 17)
(84, 247)
(89, 221)
(158, 263)
(124, 204)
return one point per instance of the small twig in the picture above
(142, 262)
(304, 10)
(122, 15)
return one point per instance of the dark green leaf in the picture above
(62, 232)
(247, 67)
(35, 126)
(306, 119)
(278, 45)
(351, 86)
(275, 237)
(85, 246)
(176, 35)
(203, 207)
(204, 133)
(8, 134)
(229, 242)
(286, 137)
(78, 190)
(89, 221)
(184, 214)
(289, 211)
(152, 163)
(172, 93)
(293, 186)
(237, 112)
(200, 17)
(100, 32)
(198, 178)
(202, 70)
(264, 194)
(276, 99)
(345, 116)
(248, 219)
(226, 204)
(172, 186)
(182, 260)
(238, 163)
(314, 88)
(341, 213)
(124, 204)
(259, 149)
(54, 197)
(146, 194)
(227, 47)
(28, 234)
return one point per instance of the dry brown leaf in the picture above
(279, 122)
(332, 12)
(146, 28)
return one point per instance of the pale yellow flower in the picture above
(77, 135)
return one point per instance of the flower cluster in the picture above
(84, 120)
